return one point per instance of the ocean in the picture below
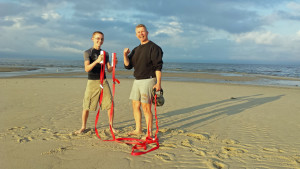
(290, 74)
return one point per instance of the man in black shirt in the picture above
(146, 59)
(92, 60)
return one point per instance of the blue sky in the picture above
(215, 31)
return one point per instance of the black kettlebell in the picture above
(159, 99)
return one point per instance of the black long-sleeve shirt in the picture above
(145, 59)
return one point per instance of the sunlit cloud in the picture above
(107, 19)
(260, 38)
(50, 15)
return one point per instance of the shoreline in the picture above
(242, 79)
(237, 76)
(16, 69)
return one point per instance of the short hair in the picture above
(96, 32)
(141, 25)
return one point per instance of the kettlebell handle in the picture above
(161, 91)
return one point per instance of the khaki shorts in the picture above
(142, 90)
(92, 95)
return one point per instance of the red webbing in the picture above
(142, 144)
(138, 143)
(102, 71)
(113, 95)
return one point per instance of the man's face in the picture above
(141, 34)
(98, 39)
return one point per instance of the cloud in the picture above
(267, 47)
(218, 15)
(68, 49)
(11, 9)
(171, 27)
(260, 38)
(16, 21)
(107, 19)
(199, 30)
(50, 15)
(59, 45)
(7, 50)
(43, 43)
(294, 6)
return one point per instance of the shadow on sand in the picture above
(225, 107)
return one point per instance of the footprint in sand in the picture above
(216, 164)
(44, 130)
(186, 143)
(200, 153)
(227, 152)
(57, 135)
(25, 139)
(104, 134)
(25, 135)
(171, 131)
(17, 128)
(198, 136)
(18, 133)
(57, 150)
(297, 159)
(230, 141)
(164, 156)
(272, 150)
(165, 130)
(167, 146)
(232, 149)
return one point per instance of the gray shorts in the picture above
(92, 95)
(142, 89)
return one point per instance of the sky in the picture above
(204, 31)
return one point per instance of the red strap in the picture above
(142, 144)
(138, 143)
(148, 140)
(102, 72)
(113, 95)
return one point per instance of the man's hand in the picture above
(116, 60)
(157, 87)
(126, 51)
(100, 58)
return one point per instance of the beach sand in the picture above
(201, 125)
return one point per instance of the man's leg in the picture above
(111, 120)
(85, 115)
(107, 102)
(137, 117)
(148, 117)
